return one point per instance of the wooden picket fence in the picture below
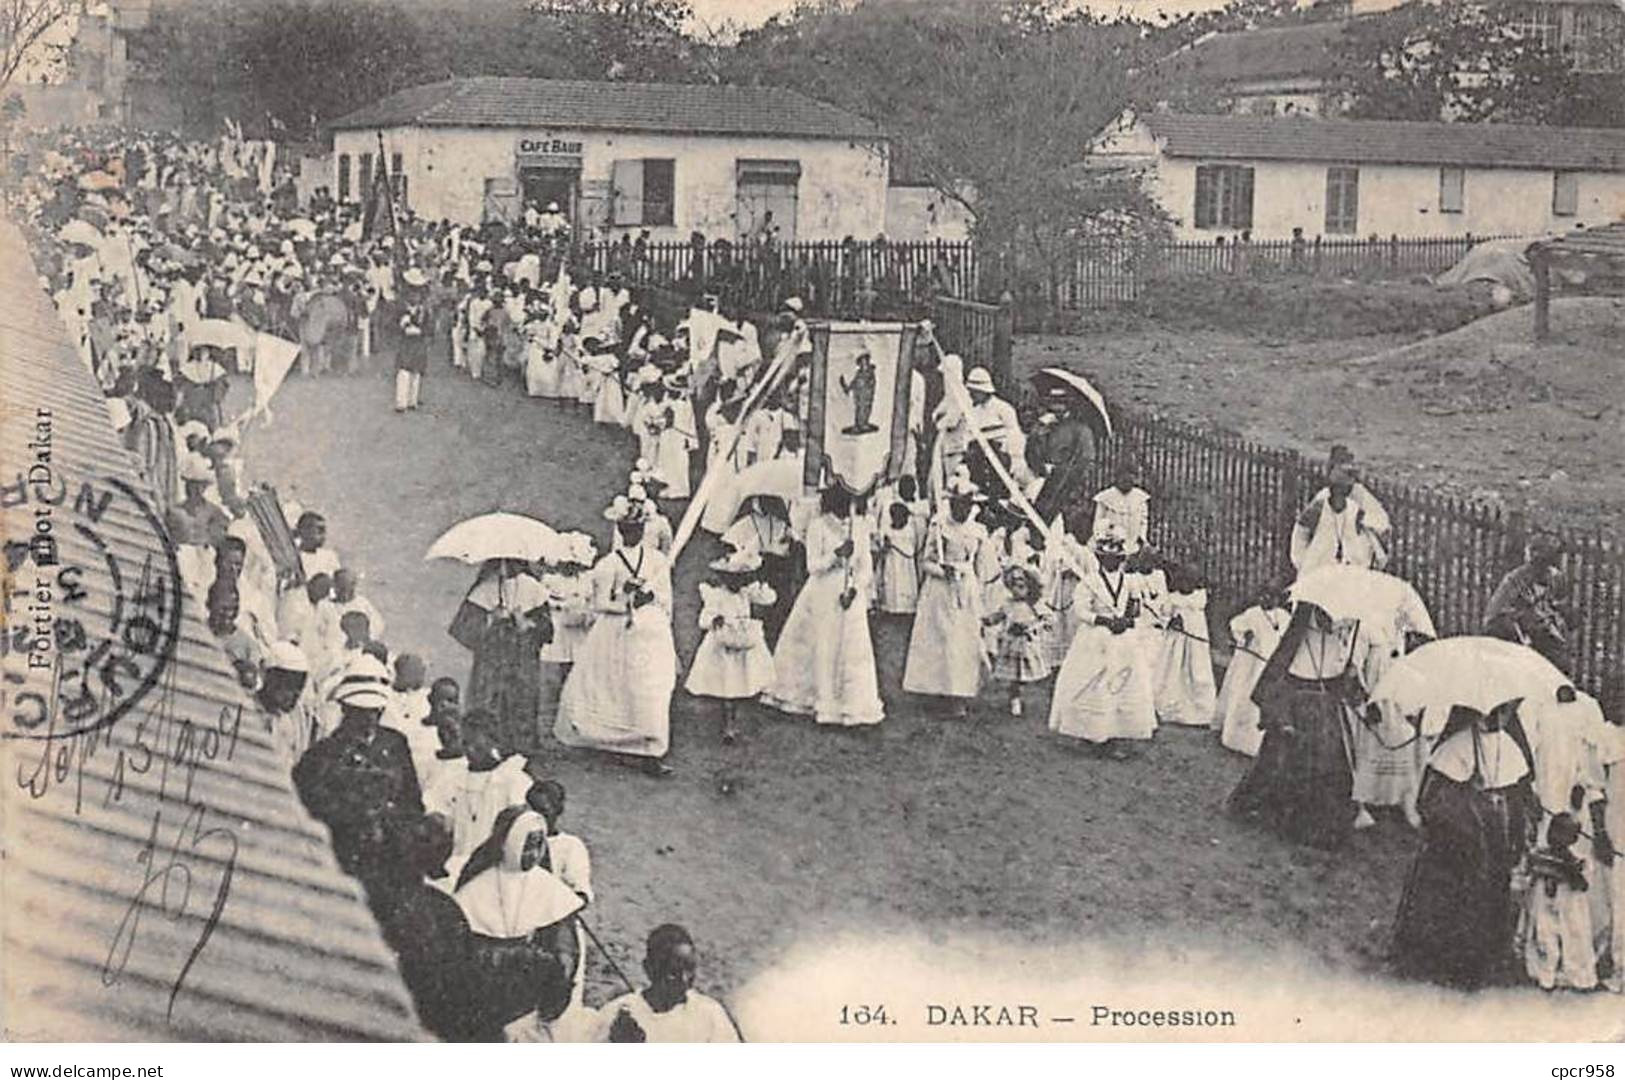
(835, 279)
(1228, 505)
(981, 334)
(1106, 274)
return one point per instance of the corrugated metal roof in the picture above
(492, 101)
(1289, 138)
(113, 865)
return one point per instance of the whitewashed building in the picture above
(727, 161)
(1269, 175)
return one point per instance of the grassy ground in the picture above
(922, 828)
(1480, 411)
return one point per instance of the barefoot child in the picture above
(1184, 674)
(1256, 632)
(733, 662)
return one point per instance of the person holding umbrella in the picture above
(503, 622)
(1072, 428)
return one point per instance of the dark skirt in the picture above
(1456, 918)
(1302, 784)
(506, 681)
(413, 355)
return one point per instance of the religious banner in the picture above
(857, 422)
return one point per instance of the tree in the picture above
(634, 40)
(991, 103)
(1466, 60)
(23, 26)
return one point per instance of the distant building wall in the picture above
(924, 213)
(840, 191)
(1401, 200)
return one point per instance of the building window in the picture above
(365, 187)
(1342, 200)
(767, 199)
(1565, 194)
(644, 192)
(1452, 190)
(344, 178)
(1224, 197)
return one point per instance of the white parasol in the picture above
(1478, 672)
(303, 228)
(499, 535)
(1101, 421)
(1371, 597)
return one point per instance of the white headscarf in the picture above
(507, 902)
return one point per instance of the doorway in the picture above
(543, 184)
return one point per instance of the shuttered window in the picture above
(1224, 197)
(643, 192)
(366, 178)
(1452, 190)
(1342, 200)
(397, 178)
(344, 178)
(1565, 194)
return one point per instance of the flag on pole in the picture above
(273, 358)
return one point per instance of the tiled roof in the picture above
(1288, 138)
(106, 898)
(1263, 55)
(490, 101)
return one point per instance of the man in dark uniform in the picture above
(359, 780)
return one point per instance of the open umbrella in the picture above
(499, 536)
(1094, 414)
(98, 181)
(1371, 597)
(1478, 672)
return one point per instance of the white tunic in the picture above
(733, 660)
(1256, 633)
(945, 654)
(1103, 690)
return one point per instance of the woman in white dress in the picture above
(1103, 693)
(603, 370)
(617, 696)
(824, 666)
(945, 654)
(677, 438)
(733, 662)
(1256, 632)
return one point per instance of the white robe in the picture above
(1353, 536)
(699, 1019)
(1235, 715)
(618, 693)
(1103, 690)
(825, 664)
(733, 661)
(945, 653)
(1183, 681)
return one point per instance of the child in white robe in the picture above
(1558, 946)
(1125, 507)
(1184, 691)
(609, 402)
(733, 662)
(676, 440)
(572, 380)
(898, 543)
(1021, 654)
(1256, 632)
